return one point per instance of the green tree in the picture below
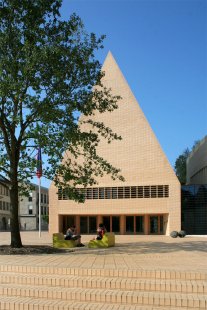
(180, 166)
(47, 72)
(180, 163)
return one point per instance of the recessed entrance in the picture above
(156, 224)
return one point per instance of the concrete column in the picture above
(122, 225)
(77, 223)
(146, 224)
(60, 223)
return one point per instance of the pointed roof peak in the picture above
(109, 58)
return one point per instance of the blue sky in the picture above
(161, 48)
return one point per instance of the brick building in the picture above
(148, 202)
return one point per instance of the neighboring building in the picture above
(148, 202)
(29, 209)
(197, 164)
(194, 194)
(194, 209)
(4, 204)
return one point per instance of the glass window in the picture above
(114, 192)
(84, 224)
(127, 192)
(106, 222)
(129, 224)
(160, 191)
(133, 192)
(116, 224)
(120, 192)
(153, 191)
(30, 209)
(140, 191)
(95, 193)
(107, 192)
(92, 224)
(154, 224)
(146, 192)
(139, 224)
(166, 190)
(101, 193)
(89, 193)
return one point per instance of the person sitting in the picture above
(100, 231)
(72, 235)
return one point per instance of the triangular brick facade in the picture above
(142, 162)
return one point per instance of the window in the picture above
(30, 210)
(133, 192)
(30, 196)
(139, 224)
(107, 192)
(166, 190)
(45, 198)
(95, 193)
(114, 192)
(146, 192)
(140, 191)
(160, 191)
(153, 191)
(89, 193)
(120, 192)
(101, 193)
(125, 192)
(41, 198)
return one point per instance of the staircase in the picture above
(56, 288)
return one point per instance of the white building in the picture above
(29, 209)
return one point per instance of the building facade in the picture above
(148, 201)
(29, 209)
(5, 206)
(197, 164)
(194, 194)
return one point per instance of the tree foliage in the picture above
(180, 166)
(47, 72)
(180, 163)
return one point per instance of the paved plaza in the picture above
(130, 252)
(140, 272)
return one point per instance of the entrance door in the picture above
(154, 225)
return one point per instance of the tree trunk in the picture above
(14, 196)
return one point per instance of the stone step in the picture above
(133, 273)
(27, 303)
(115, 296)
(131, 284)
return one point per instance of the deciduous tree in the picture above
(47, 71)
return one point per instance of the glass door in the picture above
(154, 225)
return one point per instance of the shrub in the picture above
(182, 234)
(174, 234)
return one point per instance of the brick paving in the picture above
(140, 272)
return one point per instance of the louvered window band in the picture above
(122, 192)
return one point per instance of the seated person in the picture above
(71, 235)
(100, 231)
